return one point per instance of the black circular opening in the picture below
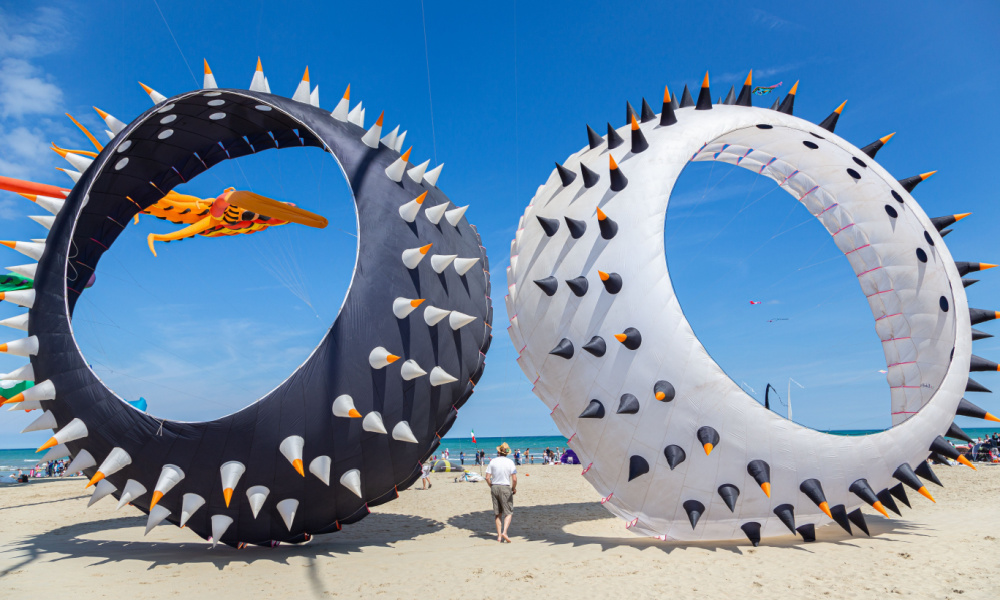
(764, 126)
(854, 174)
(810, 145)
(944, 304)
(921, 255)
(927, 237)
(860, 162)
(889, 210)
(896, 195)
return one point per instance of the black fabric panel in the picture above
(302, 404)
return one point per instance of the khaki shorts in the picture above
(503, 500)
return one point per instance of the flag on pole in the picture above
(473, 436)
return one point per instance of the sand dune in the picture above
(439, 544)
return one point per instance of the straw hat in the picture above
(503, 449)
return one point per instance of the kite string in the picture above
(169, 30)
(430, 98)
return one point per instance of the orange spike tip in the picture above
(749, 80)
(305, 77)
(792, 93)
(391, 358)
(97, 477)
(635, 124)
(209, 72)
(600, 215)
(611, 159)
(347, 92)
(16, 397)
(103, 114)
(825, 507)
(354, 414)
(840, 108)
(297, 463)
(704, 82)
(666, 94)
(961, 216)
(425, 249)
(32, 197)
(924, 176)
(766, 487)
(146, 88)
(380, 117)
(878, 506)
(923, 492)
(886, 138)
(604, 276)
(406, 155)
(990, 417)
(7, 243)
(660, 395)
(52, 442)
(966, 462)
(708, 449)
(156, 498)
(227, 494)
(621, 337)
(59, 150)
(259, 67)
(417, 302)
(420, 199)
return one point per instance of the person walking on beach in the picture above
(501, 475)
(425, 476)
(461, 457)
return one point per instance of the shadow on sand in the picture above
(550, 523)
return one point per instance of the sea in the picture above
(25, 458)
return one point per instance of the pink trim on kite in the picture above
(843, 228)
(587, 469)
(856, 249)
(603, 500)
(815, 187)
(895, 339)
(794, 173)
(869, 271)
(571, 437)
(829, 207)
(887, 316)
(766, 165)
(882, 292)
(632, 523)
(744, 156)
(724, 146)
(909, 362)
(553, 409)
(99, 243)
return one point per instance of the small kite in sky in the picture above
(754, 302)
(778, 319)
(762, 90)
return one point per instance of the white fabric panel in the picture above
(904, 294)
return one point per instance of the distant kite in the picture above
(670, 442)
(763, 90)
(778, 319)
(754, 302)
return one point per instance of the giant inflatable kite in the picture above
(349, 428)
(672, 444)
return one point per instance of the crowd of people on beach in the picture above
(49, 468)
(984, 449)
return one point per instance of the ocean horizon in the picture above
(12, 459)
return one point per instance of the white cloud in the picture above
(25, 90)
(30, 98)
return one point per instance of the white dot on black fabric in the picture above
(124, 146)
(263, 107)
(896, 195)
(854, 174)
(889, 210)
(927, 237)
(764, 126)
(921, 255)
(944, 304)
(860, 162)
(810, 145)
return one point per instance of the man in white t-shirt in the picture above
(501, 475)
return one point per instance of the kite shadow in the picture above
(552, 524)
(84, 540)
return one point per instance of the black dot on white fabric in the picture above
(810, 145)
(921, 255)
(854, 174)
(816, 135)
(889, 210)
(896, 195)
(764, 126)
(927, 237)
(944, 304)
(859, 162)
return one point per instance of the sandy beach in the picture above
(438, 544)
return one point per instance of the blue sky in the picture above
(209, 326)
